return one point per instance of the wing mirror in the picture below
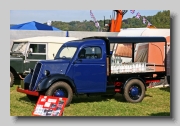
(30, 50)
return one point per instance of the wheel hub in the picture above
(59, 93)
(134, 91)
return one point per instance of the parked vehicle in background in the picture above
(26, 52)
(86, 67)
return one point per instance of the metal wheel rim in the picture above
(60, 93)
(135, 92)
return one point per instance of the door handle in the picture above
(77, 61)
(102, 65)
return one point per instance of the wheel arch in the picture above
(68, 81)
(49, 81)
(13, 71)
(138, 78)
(65, 91)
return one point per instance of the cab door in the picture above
(35, 52)
(90, 70)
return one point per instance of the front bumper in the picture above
(28, 92)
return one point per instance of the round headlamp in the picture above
(47, 72)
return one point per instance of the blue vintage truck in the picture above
(85, 67)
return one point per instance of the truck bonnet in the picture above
(53, 66)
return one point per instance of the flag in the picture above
(132, 11)
(144, 20)
(96, 23)
(92, 15)
(149, 23)
(138, 15)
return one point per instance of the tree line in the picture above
(160, 20)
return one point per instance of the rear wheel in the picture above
(11, 79)
(134, 91)
(61, 89)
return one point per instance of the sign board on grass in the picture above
(49, 106)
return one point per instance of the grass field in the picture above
(155, 103)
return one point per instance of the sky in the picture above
(42, 16)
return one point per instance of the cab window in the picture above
(90, 53)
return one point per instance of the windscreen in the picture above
(19, 47)
(66, 53)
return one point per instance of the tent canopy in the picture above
(33, 26)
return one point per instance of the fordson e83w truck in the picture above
(86, 66)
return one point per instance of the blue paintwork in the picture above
(88, 75)
(54, 66)
(49, 80)
(134, 91)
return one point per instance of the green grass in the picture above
(155, 103)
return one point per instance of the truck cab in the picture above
(87, 64)
(84, 67)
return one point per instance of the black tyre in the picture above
(11, 79)
(61, 89)
(32, 98)
(134, 91)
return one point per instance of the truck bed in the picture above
(139, 68)
(139, 73)
(147, 76)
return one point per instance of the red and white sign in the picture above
(49, 106)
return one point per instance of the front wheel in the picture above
(61, 89)
(134, 91)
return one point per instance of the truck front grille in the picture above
(35, 76)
